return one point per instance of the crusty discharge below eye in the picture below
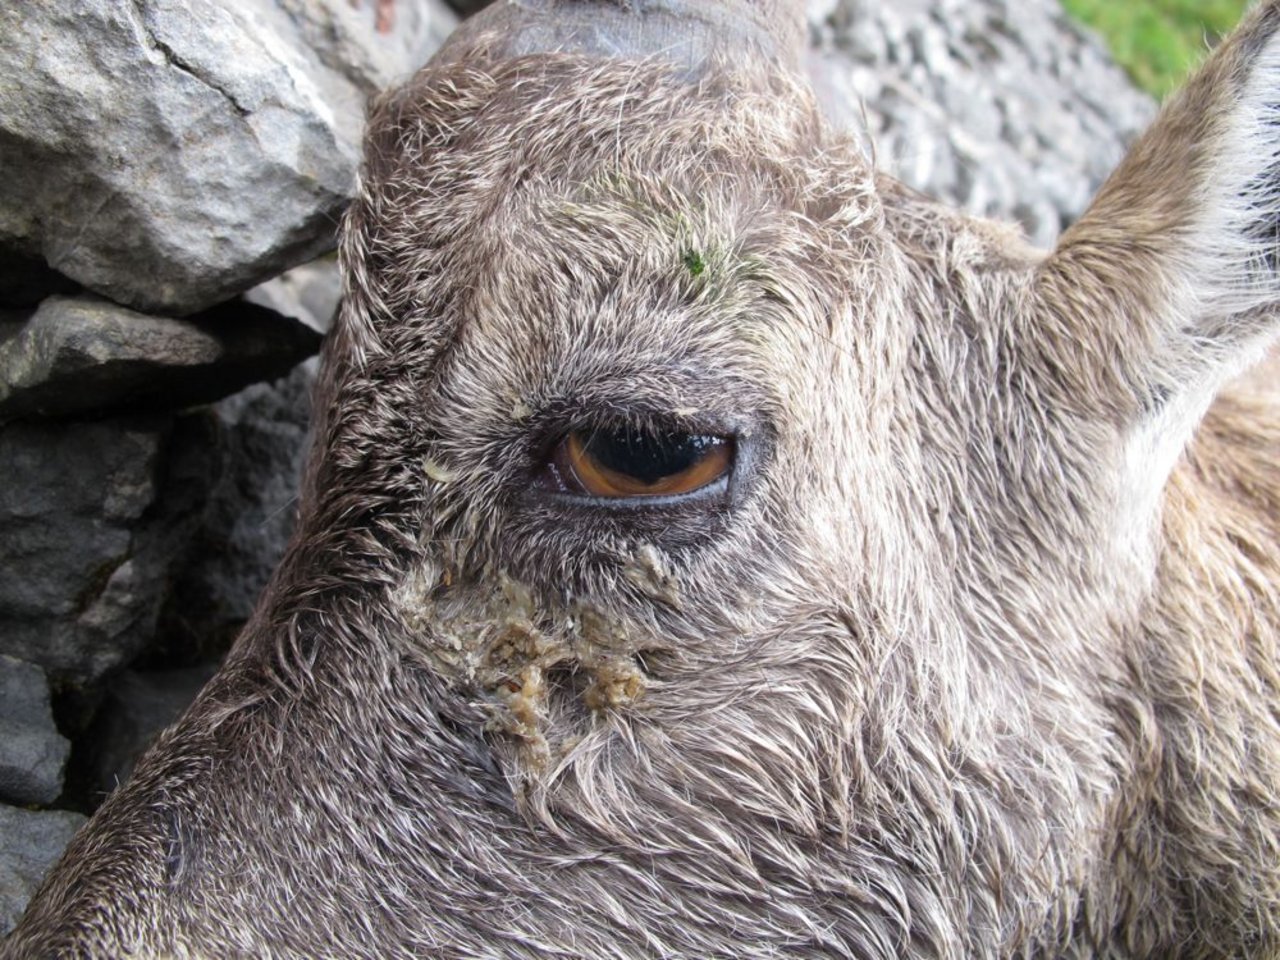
(504, 647)
(625, 462)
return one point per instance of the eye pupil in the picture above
(646, 457)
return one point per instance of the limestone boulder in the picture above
(263, 441)
(168, 154)
(33, 755)
(92, 517)
(84, 356)
(1005, 109)
(30, 841)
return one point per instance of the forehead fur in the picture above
(473, 154)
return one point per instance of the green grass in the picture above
(1158, 41)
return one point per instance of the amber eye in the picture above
(627, 462)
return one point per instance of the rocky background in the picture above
(172, 176)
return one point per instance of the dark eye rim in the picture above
(563, 473)
(749, 445)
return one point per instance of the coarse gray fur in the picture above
(974, 656)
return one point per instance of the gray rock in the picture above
(170, 154)
(33, 754)
(249, 518)
(30, 842)
(92, 516)
(84, 356)
(1008, 110)
(309, 293)
(372, 43)
(104, 525)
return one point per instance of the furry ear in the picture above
(1170, 283)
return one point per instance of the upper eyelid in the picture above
(559, 419)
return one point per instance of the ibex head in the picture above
(712, 548)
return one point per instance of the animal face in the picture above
(853, 605)
(712, 548)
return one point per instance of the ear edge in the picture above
(1173, 274)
